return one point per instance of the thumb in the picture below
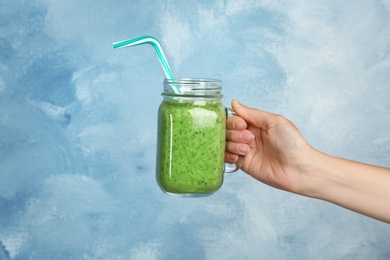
(255, 117)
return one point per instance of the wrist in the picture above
(312, 174)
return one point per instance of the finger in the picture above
(258, 118)
(237, 148)
(244, 136)
(235, 123)
(231, 157)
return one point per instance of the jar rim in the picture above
(191, 80)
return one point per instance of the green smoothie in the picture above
(191, 145)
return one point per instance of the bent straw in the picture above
(155, 43)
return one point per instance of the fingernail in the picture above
(243, 148)
(237, 102)
(233, 157)
(247, 137)
(239, 125)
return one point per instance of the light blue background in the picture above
(78, 125)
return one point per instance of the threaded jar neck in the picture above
(192, 88)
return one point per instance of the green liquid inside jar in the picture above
(191, 146)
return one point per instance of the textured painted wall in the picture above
(78, 125)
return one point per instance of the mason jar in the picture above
(191, 137)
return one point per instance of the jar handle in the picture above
(233, 167)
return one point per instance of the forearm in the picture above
(356, 186)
